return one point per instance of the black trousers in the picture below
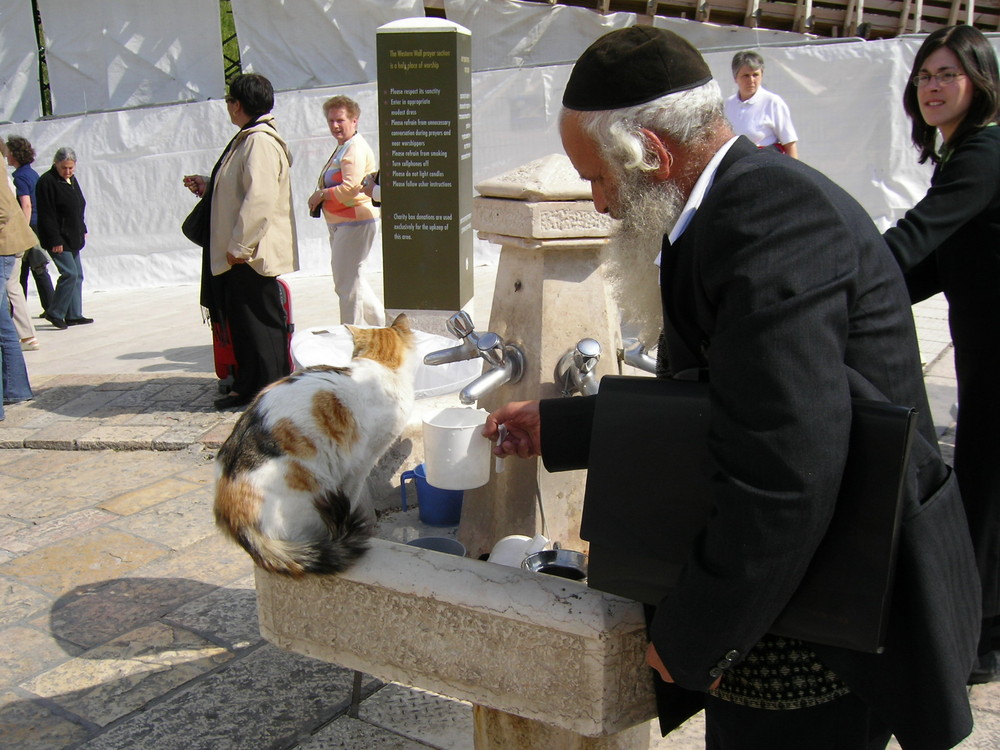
(842, 724)
(258, 326)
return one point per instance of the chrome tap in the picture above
(506, 361)
(634, 353)
(575, 369)
(460, 326)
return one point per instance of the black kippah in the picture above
(633, 66)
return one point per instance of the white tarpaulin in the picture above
(109, 54)
(20, 97)
(510, 34)
(309, 43)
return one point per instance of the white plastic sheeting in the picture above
(508, 33)
(309, 43)
(109, 54)
(20, 98)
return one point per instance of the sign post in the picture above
(425, 162)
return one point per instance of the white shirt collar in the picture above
(698, 193)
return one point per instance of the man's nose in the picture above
(600, 203)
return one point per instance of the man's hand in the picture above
(522, 426)
(653, 659)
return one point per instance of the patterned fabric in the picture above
(341, 180)
(780, 674)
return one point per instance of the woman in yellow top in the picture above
(349, 213)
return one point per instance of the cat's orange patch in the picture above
(334, 418)
(299, 477)
(386, 346)
(292, 440)
(237, 505)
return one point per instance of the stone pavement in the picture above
(126, 621)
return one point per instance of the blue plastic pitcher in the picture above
(437, 507)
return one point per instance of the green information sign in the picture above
(425, 162)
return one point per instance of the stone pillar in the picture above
(550, 293)
(496, 730)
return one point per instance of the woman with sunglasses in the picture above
(950, 242)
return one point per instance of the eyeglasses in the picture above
(230, 99)
(944, 79)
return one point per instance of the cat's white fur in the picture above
(315, 434)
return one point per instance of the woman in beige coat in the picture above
(252, 237)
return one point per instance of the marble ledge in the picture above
(568, 606)
(528, 243)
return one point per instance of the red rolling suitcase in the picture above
(222, 341)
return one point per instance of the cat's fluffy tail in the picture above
(349, 532)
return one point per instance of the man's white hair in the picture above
(687, 118)
(647, 209)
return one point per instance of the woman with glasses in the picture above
(950, 242)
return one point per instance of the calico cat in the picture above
(289, 478)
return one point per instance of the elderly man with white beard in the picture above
(775, 288)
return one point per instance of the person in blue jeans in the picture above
(62, 231)
(15, 237)
(21, 156)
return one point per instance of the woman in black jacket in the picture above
(63, 232)
(950, 242)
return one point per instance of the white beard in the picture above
(648, 212)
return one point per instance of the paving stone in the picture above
(202, 472)
(214, 560)
(88, 402)
(28, 538)
(12, 437)
(177, 523)
(264, 701)
(216, 436)
(421, 715)
(94, 614)
(28, 464)
(122, 676)
(97, 555)
(129, 503)
(119, 437)
(28, 725)
(28, 651)
(58, 436)
(352, 734)
(228, 614)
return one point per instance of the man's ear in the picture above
(659, 150)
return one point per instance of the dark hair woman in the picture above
(948, 243)
(21, 155)
(252, 239)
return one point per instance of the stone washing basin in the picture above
(535, 646)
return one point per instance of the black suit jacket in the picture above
(783, 289)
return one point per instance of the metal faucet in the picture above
(460, 326)
(506, 361)
(575, 369)
(633, 352)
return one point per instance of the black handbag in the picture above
(197, 227)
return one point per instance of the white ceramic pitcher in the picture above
(456, 455)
